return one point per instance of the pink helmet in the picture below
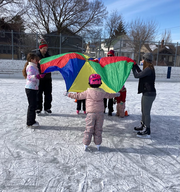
(95, 79)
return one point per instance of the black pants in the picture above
(45, 86)
(110, 104)
(79, 104)
(32, 100)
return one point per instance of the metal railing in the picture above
(14, 45)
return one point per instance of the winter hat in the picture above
(95, 79)
(111, 52)
(148, 57)
(42, 44)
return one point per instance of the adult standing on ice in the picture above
(147, 88)
(110, 101)
(45, 84)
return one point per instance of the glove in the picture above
(121, 103)
(42, 75)
(118, 94)
(66, 93)
(134, 67)
(38, 76)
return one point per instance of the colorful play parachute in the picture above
(76, 69)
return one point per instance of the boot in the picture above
(137, 129)
(85, 147)
(98, 147)
(109, 113)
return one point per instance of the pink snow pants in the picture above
(120, 109)
(94, 123)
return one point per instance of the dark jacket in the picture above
(146, 80)
(48, 75)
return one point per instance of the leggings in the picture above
(146, 104)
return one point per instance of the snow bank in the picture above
(13, 69)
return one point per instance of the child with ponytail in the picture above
(32, 76)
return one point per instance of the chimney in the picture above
(162, 43)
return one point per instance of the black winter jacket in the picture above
(146, 80)
(48, 75)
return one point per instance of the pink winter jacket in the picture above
(94, 99)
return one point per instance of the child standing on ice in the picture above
(78, 108)
(120, 107)
(94, 108)
(32, 76)
(79, 102)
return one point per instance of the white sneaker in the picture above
(85, 147)
(98, 147)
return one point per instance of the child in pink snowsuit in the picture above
(94, 108)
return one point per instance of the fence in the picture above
(14, 45)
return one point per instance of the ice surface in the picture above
(51, 158)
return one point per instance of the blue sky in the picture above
(166, 13)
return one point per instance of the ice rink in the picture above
(51, 158)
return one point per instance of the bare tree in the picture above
(141, 31)
(166, 36)
(77, 15)
(11, 8)
(114, 26)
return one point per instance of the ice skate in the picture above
(137, 129)
(145, 133)
(48, 112)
